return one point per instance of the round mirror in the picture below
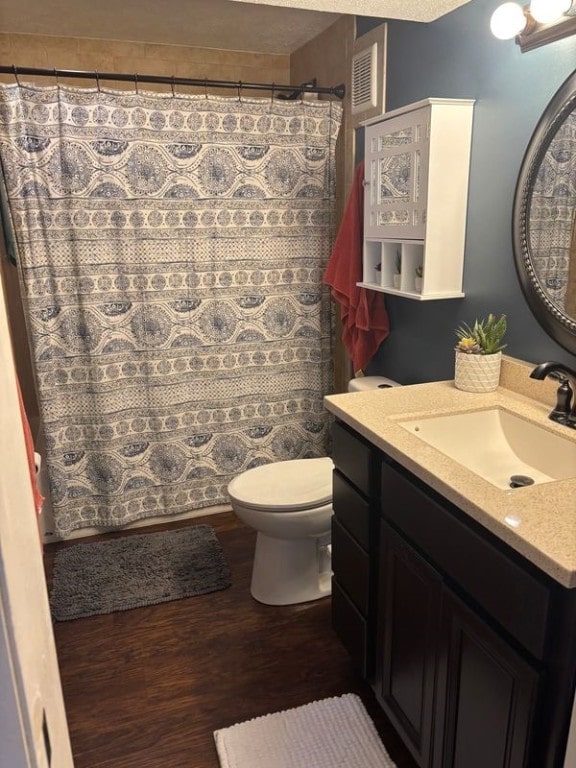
(544, 223)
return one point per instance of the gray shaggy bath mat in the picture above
(132, 571)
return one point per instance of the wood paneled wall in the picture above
(328, 58)
(143, 58)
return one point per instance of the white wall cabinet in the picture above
(417, 161)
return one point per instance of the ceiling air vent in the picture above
(364, 79)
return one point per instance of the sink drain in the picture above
(520, 481)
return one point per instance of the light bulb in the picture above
(507, 21)
(547, 11)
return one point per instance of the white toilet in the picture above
(289, 504)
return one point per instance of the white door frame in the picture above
(33, 727)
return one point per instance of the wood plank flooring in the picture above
(146, 688)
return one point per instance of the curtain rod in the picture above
(293, 91)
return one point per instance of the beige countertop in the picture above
(541, 518)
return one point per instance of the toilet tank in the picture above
(364, 383)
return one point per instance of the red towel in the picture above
(364, 317)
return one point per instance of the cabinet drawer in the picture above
(350, 566)
(351, 509)
(352, 456)
(350, 626)
(510, 594)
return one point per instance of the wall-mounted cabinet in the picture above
(417, 161)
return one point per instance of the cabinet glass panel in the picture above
(396, 138)
(396, 174)
(397, 199)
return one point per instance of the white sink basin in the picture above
(498, 445)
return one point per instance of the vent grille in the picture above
(364, 79)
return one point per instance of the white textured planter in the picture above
(477, 373)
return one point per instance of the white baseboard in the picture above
(49, 537)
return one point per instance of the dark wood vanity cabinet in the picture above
(470, 649)
(460, 696)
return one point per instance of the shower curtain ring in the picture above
(206, 87)
(56, 77)
(136, 82)
(18, 83)
(173, 86)
(273, 92)
(97, 76)
(239, 88)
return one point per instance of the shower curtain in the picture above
(171, 251)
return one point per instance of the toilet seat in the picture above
(305, 484)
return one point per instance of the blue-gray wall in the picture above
(457, 57)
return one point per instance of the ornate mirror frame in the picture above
(556, 322)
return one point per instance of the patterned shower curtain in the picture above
(171, 251)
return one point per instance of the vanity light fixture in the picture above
(538, 23)
(507, 21)
(549, 11)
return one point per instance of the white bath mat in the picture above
(331, 733)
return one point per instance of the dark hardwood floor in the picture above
(146, 688)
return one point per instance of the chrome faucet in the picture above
(565, 410)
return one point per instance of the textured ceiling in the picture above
(410, 10)
(267, 26)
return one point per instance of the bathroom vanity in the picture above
(455, 598)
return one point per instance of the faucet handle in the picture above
(557, 376)
(562, 412)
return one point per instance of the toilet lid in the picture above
(296, 485)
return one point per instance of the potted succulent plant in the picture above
(479, 354)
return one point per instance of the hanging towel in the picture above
(363, 312)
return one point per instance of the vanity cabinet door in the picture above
(408, 634)
(458, 694)
(485, 696)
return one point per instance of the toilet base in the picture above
(290, 571)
